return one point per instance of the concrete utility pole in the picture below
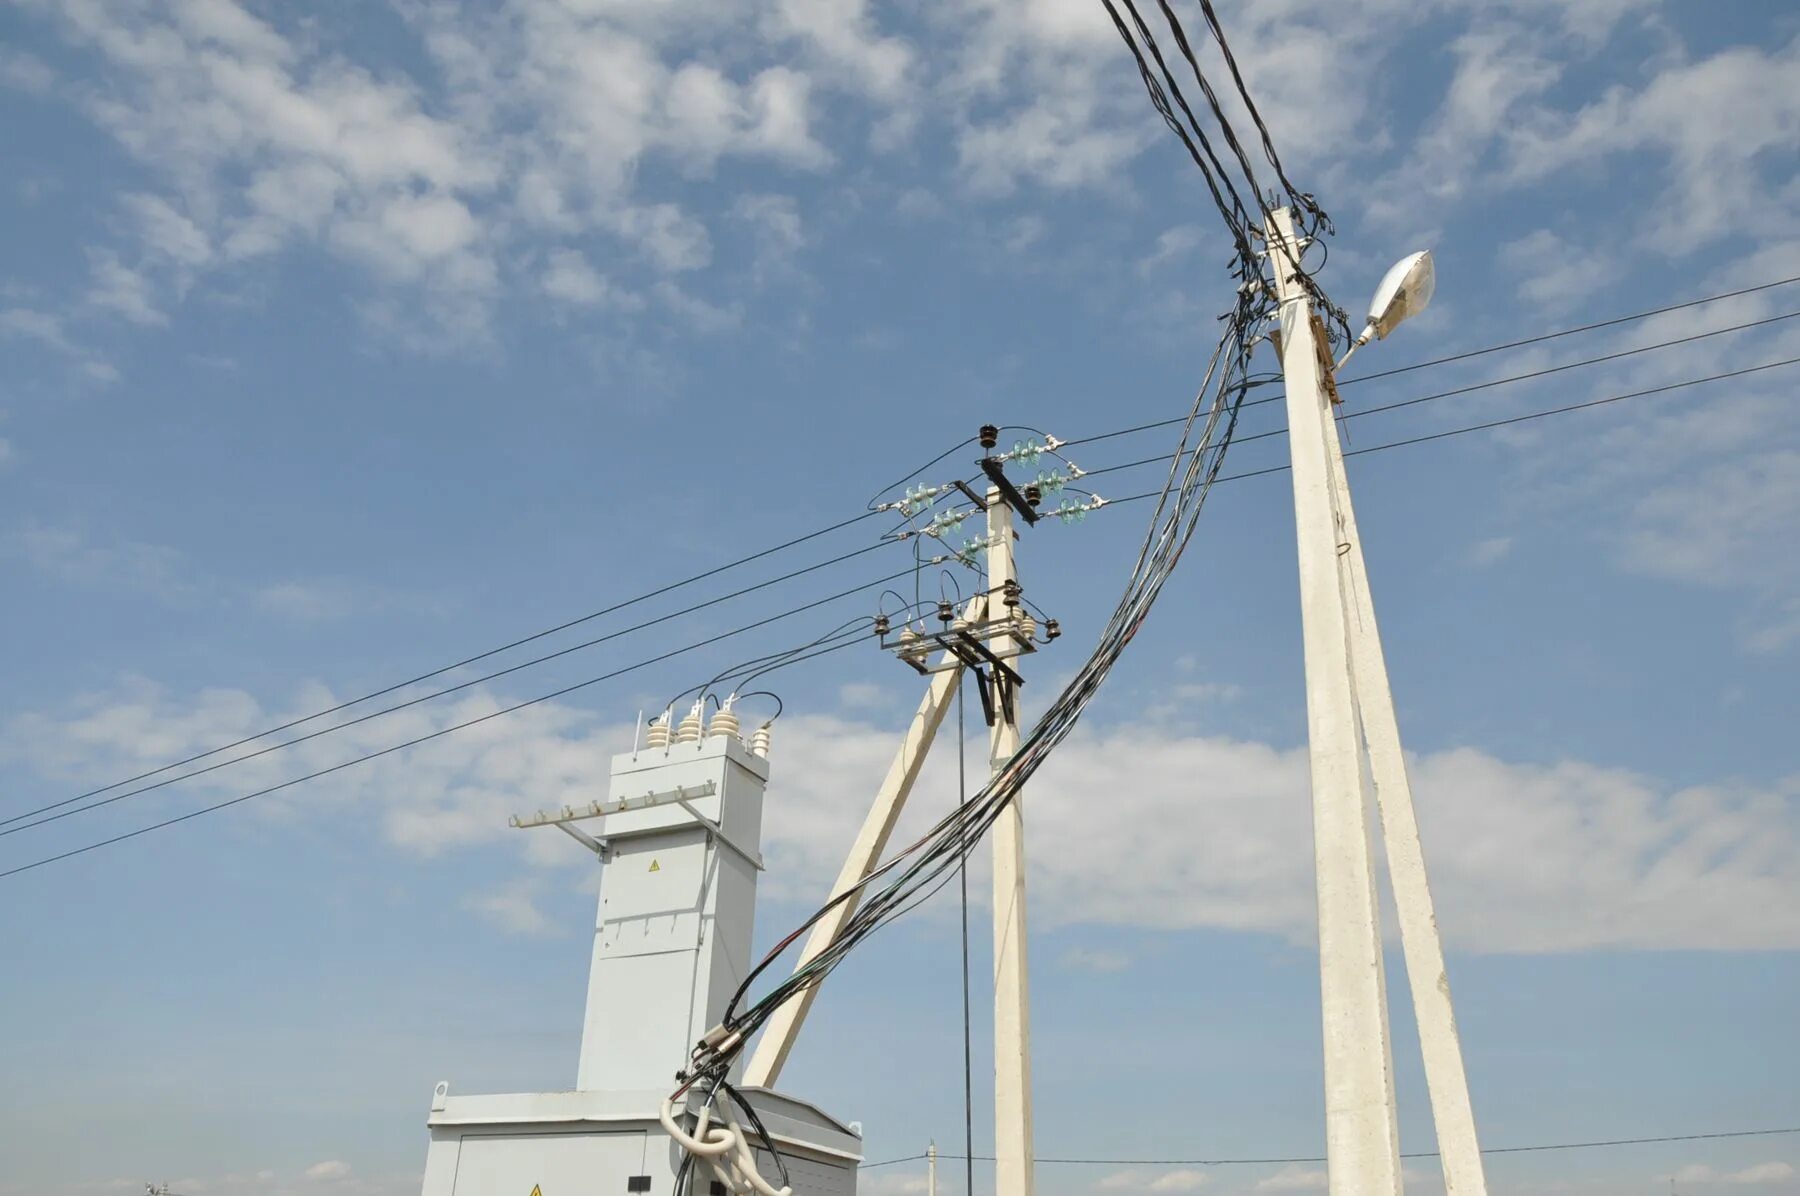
(1350, 707)
(1361, 1135)
(931, 1170)
(1012, 988)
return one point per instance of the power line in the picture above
(1471, 353)
(1414, 1154)
(1478, 386)
(468, 660)
(435, 694)
(684, 582)
(462, 726)
(1133, 498)
(1482, 427)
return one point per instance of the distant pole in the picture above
(1012, 989)
(931, 1169)
(1361, 1134)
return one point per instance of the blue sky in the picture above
(337, 345)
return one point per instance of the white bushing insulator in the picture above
(910, 644)
(657, 736)
(759, 741)
(724, 725)
(959, 625)
(689, 730)
(1025, 627)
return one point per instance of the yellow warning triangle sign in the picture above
(654, 867)
(536, 1191)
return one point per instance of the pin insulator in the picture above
(946, 613)
(881, 624)
(990, 436)
(1052, 629)
(1034, 494)
(1009, 592)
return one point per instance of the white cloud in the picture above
(123, 291)
(1172, 245)
(330, 1169)
(776, 231)
(71, 555)
(1555, 275)
(1499, 67)
(25, 72)
(306, 601)
(1764, 1173)
(1761, 1173)
(1086, 959)
(47, 329)
(1022, 232)
(1711, 180)
(1293, 1179)
(1562, 857)
(845, 41)
(40, 326)
(1180, 1180)
(1491, 551)
(513, 908)
(569, 276)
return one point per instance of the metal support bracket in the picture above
(996, 473)
(599, 847)
(717, 832)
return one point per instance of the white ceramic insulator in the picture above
(657, 736)
(1026, 626)
(689, 730)
(759, 741)
(910, 644)
(723, 724)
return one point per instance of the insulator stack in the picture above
(911, 645)
(1025, 626)
(657, 735)
(759, 741)
(724, 724)
(689, 730)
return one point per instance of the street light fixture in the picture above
(1404, 292)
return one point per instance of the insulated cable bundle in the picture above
(915, 873)
(912, 875)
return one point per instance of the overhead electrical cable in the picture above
(1509, 344)
(1276, 1160)
(452, 729)
(752, 557)
(463, 663)
(411, 702)
(1470, 389)
(1481, 427)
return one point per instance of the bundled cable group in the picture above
(912, 875)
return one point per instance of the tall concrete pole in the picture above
(1441, 1048)
(1361, 1134)
(1012, 989)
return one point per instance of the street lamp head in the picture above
(1404, 291)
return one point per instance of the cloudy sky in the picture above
(344, 341)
